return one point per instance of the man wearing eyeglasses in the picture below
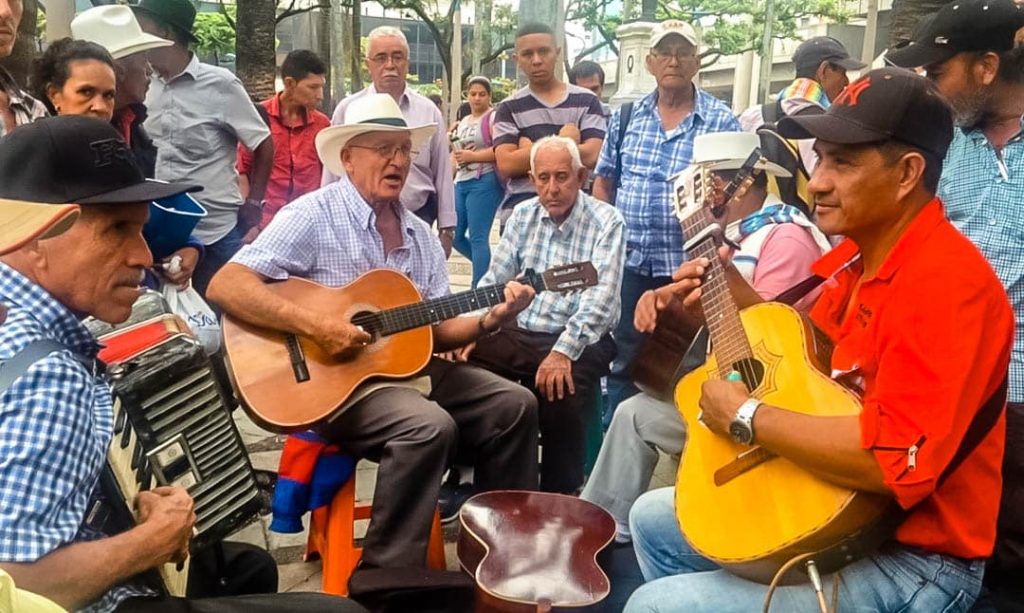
(429, 191)
(633, 173)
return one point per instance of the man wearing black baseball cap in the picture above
(56, 417)
(968, 51)
(921, 328)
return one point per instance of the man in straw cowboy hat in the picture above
(57, 536)
(332, 236)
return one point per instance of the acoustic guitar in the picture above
(533, 551)
(286, 382)
(743, 507)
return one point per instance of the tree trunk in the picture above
(357, 47)
(19, 63)
(254, 46)
(905, 16)
(483, 10)
(338, 43)
(323, 43)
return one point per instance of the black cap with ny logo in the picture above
(75, 159)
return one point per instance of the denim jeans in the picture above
(216, 256)
(627, 339)
(476, 201)
(894, 579)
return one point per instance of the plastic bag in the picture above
(190, 306)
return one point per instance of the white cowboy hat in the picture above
(728, 151)
(369, 113)
(115, 28)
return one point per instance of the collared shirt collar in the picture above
(362, 212)
(570, 221)
(191, 69)
(917, 232)
(978, 135)
(650, 102)
(403, 100)
(19, 292)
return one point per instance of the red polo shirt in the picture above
(928, 339)
(297, 168)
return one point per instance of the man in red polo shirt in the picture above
(922, 328)
(294, 123)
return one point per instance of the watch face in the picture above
(740, 433)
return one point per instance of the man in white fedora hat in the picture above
(332, 236)
(777, 245)
(115, 28)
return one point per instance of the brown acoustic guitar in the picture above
(287, 383)
(532, 551)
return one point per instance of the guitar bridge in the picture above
(298, 358)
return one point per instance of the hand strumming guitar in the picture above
(719, 402)
(685, 286)
(340, 338)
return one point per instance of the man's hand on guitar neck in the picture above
(461, 331)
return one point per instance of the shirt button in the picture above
(991, 222)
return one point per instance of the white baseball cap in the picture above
(673, 27)
(115, 28)
(728, 151)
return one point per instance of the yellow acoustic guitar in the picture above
(743, 507)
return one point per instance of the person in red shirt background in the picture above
(294, 123)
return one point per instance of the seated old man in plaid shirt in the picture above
(561, 342)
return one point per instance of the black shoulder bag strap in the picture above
(12, 369)
(625, 114)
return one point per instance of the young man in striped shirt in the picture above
(545, 107)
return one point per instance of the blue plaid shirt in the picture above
(984, 196)
(592, 232)
(330, 237)
(650, 158)
(55, 428)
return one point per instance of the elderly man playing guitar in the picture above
(922, 331)
(413, 428)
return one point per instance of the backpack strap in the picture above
(625, 114)
(485, 128)
(11, 370)
(771, 112)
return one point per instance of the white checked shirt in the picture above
(594, 231)
(330, 237)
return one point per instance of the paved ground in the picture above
(265, 451)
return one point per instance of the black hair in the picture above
(1011, 66)
(892, 150)
(585, 69)
(53, 67)
(481, 81)
(301, 63)
(464, 110)
(807, 72)
(534, 27)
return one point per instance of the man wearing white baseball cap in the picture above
(412, 428)
(115, 28)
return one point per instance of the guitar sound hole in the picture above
(365, 320)
(752, 372)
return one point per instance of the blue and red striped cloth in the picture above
(310, 473)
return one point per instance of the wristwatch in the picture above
(742, 427)
(449, 232)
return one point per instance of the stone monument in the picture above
(633, 81)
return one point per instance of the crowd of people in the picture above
(900, 193)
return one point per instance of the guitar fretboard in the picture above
(400, 319)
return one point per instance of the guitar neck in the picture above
(429, 312)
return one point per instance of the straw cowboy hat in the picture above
(728, 151)
(115, 28)
(22, 222)
(369, 113)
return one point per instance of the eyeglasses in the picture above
(681, 55)
(389, 152)
(396, 58)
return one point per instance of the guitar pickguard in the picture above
(770, 362)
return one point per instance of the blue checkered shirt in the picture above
(593, 232)
(650, 158)
(55, 428)
(330, 237)
(984, 196)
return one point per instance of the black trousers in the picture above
(515, 354)
(471, 416)
(243, 581)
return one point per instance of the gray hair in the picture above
(387, 32)
(557, 142)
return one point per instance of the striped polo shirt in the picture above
(524, 114)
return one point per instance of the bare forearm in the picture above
(827, 446)
(461, 331)
(513, 161)
(590, 151)
(77, 574)
(604, 189)
(262, 163)
(243, 294)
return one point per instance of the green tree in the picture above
(216, 33)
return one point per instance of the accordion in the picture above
(172, 426)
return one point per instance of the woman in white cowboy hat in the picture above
(334, 235)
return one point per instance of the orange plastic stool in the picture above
(331, 537)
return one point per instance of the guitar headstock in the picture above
(695, 188)
(565, 278)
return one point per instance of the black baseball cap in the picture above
(75, 159)
(962, 25)
(813, 51)
(178, 14)
(887, 103)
